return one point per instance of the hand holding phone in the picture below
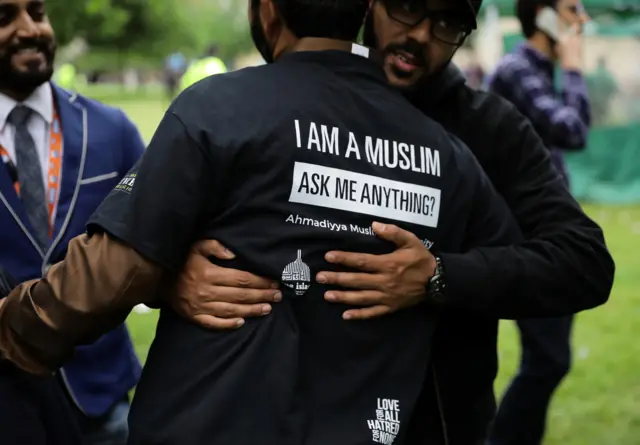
(569, 50)
(568, 40)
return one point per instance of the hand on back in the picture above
(216, 297)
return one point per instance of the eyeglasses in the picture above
(447, 26)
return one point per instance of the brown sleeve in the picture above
(89, 293)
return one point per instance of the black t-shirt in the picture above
(282, 163)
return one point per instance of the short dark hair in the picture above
(333, 19)
(212, 50)
(527, 10)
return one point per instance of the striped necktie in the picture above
(32, 190)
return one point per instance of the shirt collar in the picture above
(40, 101)
(538, 59)
(340, 61)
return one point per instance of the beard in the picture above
(258, 35)
(24, 81)
(432, 72)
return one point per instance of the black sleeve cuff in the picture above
(467, 279)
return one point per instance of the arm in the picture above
(562, 266)
(77, 301)
(218, 297)
(563, 121)
(138, 240)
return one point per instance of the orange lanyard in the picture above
(55, 168)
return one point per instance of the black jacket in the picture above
(561, 266)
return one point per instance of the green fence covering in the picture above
(608, 171)
(506, 7)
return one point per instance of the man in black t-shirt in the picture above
(560, 266)
(280, 163)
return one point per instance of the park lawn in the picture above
(599, 403)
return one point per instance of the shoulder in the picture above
(493, 128)
(512, 64)
(484, 116)
(215, 102)
(229, 83)
(490, 108)
(103, 114)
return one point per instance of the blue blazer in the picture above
(100, 145)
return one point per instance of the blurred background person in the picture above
(208, 65)
(525, 77)
(174, 68)
(603, 89)
(66, 76)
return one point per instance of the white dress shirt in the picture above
(40, 101)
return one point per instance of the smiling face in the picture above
(27, 46)
(417, 37)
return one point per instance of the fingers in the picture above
(217, 324)
(213, 248)
(229, 310)
(356, 298)
(242, 296)
(218, 315)
(361, 261)
(221, 276)
(352, 280)
(395, 234)
(366, 313)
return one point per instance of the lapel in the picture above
(73, 118)
(11, 201)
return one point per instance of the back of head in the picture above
(527, 10)
(212, 51)
(333, 19)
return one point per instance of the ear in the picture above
(270, 19)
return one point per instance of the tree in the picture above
(151, 29)
(223, 22)
(123, 25)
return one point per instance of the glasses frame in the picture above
(431, 15)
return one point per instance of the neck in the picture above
(315, 44)
(543, 44)
(18, 96)
(320, 44)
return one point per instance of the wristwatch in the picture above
(436, 286)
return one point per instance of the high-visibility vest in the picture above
(65, 76)
(201, 69)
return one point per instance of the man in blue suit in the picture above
(61, 155)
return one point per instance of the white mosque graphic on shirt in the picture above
(297, 275)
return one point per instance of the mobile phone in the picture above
(548, 22)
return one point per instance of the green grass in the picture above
(599, 403)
